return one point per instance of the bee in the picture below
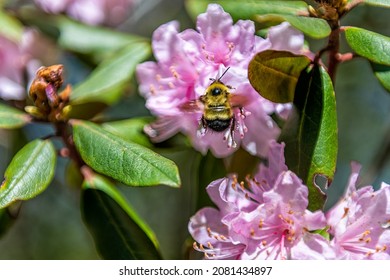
(217, 106)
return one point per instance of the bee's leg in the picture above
(202, 129)
(229, 136)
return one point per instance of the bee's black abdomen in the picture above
(218, 124)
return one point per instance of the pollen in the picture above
(152, 89)
(171, 85)
(346, 210)
(209, 232)
(365, 237)
(174, 72)
(195, 245)
(230, 45)
(158, 77)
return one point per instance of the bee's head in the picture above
(216, 90)
(217, 86)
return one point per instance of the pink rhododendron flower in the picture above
(266, 220)
(360, 222)
(16, 60)
(186, 61)
(92, 12)
(11, 66)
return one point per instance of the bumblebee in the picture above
(217, 105)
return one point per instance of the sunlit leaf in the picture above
(248, 9)
(310, 133)
(107, 81)
(29, 173)
(127, 162)
(274, 74)
(368, 44)
(118, 231)
(12, 118)
(314, 27)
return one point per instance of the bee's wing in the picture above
(192, 106)
(239, 100)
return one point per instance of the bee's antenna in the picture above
(219, 79)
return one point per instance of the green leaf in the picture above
(247, 9)
(10, 27)
(29, 173)
(130, 130)
(95, 41)
(88, 39)
(368, 44)
(274, 74)
(382, 72)
(310, 133)
(12, 118)
(127, 162)
(314, 27)
(107, 81)
(118, 231)
(381, 3)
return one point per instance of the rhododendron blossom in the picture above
(360, 221)
(186, 61)
(17, 58)
(92, 12)
(267, 219)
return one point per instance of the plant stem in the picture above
(62, 129)
(334, 47)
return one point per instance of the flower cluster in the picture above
(92, 12)
(185, 63)
(268, 219)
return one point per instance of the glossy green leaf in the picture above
(29, 173)
(310, 133)
(127, 162)
(382, 72)
(368, 44)
(107, 81)
(314, 27)
(118, 231)
(381, 3)
(130, 130)
(274, 74)
(248, 9)
(10, 27)
(12, 118)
